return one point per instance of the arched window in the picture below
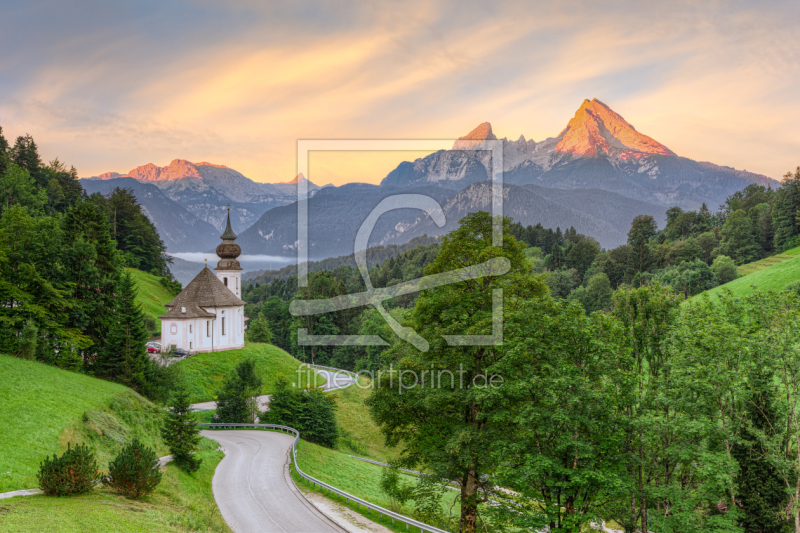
(225, 281)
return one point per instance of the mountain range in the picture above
(596, 175)
(205, 189)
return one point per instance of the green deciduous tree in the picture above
(724, 269)
(643, 228)
(565, 388)
(596, 296)
(17, 187)
(760, 487)
(739, 239)
(444, 425)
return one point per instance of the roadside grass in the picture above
(774, 278)
(205, 373)
(359, 478)
(360, 434)
(45, 408)
(151, 294)
(767, 262)
(180, 503)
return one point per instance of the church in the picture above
(208, 315)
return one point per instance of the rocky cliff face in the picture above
(597, 130)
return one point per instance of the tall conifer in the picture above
(124, 357)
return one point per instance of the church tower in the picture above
(228, 270)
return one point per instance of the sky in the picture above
(107, 86)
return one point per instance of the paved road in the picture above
(253, 489)
(334, 380)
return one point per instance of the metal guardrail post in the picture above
(315, 482)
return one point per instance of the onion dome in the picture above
(228, 250)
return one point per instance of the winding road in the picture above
(334, 381)
(252, 485)
(253, 489)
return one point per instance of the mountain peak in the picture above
(596, 130)
(178, 168)
(296, 179)
(482, 133)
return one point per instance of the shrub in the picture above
(793, 286)
(72, 473)
(310, 412)
(259, 331)
(135, 471)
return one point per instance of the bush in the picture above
(72, 473)
(310, 412)
(793, 286)
(149, 324)
(258, 331)
(135, 471)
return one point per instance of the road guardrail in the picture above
(330, 488)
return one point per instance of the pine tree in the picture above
(784, 211)
(135, 471)
(124, 358)
(3, 152)
(25, 153)
(181, 433)
(762, 492)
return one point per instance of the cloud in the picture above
(109, 87)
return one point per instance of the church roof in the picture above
(192, 311)
(205, 290)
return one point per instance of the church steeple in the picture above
(229, 234)
(228, 250)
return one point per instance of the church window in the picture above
(223, 325)
(225, 281)
(190, 328)
(208, 328)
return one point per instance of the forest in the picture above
(65, 297)
(694, 252)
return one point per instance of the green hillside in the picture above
(360, 436)
(767, 262)
(358, 477)
(150, 294)
(206, 372)
(44, 408)
(180, 503)
(773, 278)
